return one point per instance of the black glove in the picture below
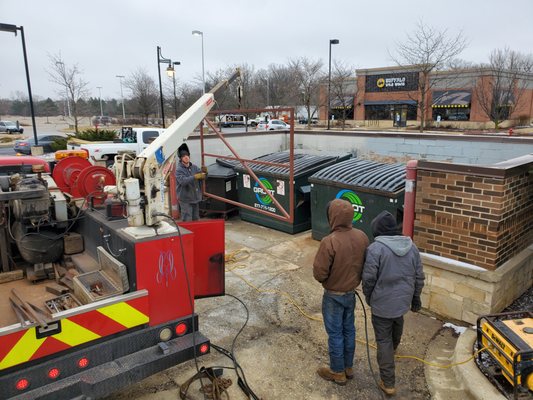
(416, 304)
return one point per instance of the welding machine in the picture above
(508, 338)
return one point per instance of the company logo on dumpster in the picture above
(260, 194)
(357, 204)
(264, 200)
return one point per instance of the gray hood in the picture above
(400, 245)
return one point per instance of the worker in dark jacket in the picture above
(189, 185)
(392, 282)
(337, 265)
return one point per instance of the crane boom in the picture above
(149, 165)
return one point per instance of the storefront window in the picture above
(388, 111)
(451, 114)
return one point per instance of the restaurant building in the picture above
(456, 98)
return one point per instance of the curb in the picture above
(475, 383)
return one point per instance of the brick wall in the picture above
(477, 215)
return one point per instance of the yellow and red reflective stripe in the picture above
(124, 314)
(75, 330)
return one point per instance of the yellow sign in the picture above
(381, 82)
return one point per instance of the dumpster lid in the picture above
(302, 163)
(217, 170)
(363, 173)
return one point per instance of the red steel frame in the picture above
(287, 216)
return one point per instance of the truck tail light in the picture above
(83, 362)
(204, 348)
(54, 373)
(22, 384)
(181, 329)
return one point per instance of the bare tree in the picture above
(145, 94)
(343, 89)
(427, 50)
(502, 83)
(308, 75)
(71, 82)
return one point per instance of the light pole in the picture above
(120, 77)
(14, 29)
(100, 96)
(170, 73)
(331, 41)
(200, 33)
(174, 84)
(268, 91)
(66, 87)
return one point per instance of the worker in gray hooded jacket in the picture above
(189, 187)
(392, 282)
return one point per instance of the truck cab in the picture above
(129, 139)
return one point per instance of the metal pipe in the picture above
(409, 199)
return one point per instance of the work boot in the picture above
(337, 377)
(389, 391)
(349, 373)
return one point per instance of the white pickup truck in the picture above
(130, 139)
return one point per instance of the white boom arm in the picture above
(149, 165)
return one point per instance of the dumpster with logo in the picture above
(221, 181)
(276, 181)
(369, 186)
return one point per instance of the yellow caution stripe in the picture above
(124, 314)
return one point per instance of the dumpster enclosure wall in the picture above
(473, 226)
(477, 215)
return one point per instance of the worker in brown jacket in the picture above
(338, 265)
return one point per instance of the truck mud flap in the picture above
(102, 369)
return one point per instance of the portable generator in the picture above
(508, 338)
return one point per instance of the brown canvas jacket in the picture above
(340, 258)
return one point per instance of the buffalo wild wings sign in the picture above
(392, 82)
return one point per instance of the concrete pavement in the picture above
(281, 346)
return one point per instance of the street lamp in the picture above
(66, 87)
(100, 96)
(120, 77)
(170, 73)
(200, 33)
(13, 29)
(331, 41)
(174, 84)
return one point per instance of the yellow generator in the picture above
(508, 338)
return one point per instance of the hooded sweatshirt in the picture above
(340, 257)
(392, 273)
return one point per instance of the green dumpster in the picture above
(370, 186)
(276, 180)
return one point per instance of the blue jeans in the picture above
(339, 321)
(190, 211)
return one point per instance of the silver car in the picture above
(273, 125)
(10, 127)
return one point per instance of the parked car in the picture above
(273, 125)
(10, 127)
(24, 146)
(303, 121)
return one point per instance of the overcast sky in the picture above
(109, 38)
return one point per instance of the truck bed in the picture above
(34, 293)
